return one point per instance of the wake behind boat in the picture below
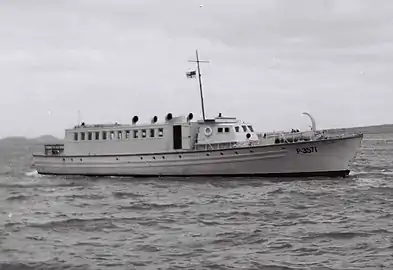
(179, 146)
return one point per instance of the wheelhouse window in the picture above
(82, 136)
(119, 135)
(244, 128)
(97, 135)
(152, 133)
(226, 129)
(143, 133)
(135, 134)
(251, 128)
(112, 135)
(160, 132)
(219, 130)
(104, 135)
(89, 136)
(237, 129)
(127, 134)
(75, 136)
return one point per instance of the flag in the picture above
(191, 74)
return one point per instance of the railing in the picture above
(54, 149)
(97, 125)
(281, 137)
(224, 145)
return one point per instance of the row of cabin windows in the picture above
(250, 128)
(237, 129)
(118, 135)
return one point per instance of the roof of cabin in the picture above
(212, 121)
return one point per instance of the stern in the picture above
(42, 162)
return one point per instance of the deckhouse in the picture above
(173, 134)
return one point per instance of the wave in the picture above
(33, 173)
(41, 265)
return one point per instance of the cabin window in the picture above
(135, 134)
(227, 129)
(127, 134)
(244, 128)
(160, 132)
(97, 135)
(251, 128)
(104, 135)
(112, 135)
(152, 133)
(119, 135)
(83, 136)
(75, 136)
(219, 130)
(143, 133)
(89, 136)
(237, 129)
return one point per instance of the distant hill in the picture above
(376, 129)
(23, 141)
(16, 152)
(48, 139)
(14, 140)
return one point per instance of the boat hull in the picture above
(330, 157)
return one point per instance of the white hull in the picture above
(329, 157)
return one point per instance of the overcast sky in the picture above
(271, 60)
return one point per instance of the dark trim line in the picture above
(203, 151)
(342, 173)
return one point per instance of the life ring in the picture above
(208, 131)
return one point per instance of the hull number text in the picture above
(306, 150)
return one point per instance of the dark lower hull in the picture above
(342, 173)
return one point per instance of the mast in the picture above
(79, 117)
(200, 81)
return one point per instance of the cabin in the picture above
(172, 134)
(223, 132)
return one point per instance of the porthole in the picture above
(221, 153)
(163, 157)
(251, 151)
(237, 153)
(141, 157)
(179, 156)
(80, 159)
(207, 154)
(154, 157)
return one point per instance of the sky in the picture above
(270, 61)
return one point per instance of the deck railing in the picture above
(54, 149)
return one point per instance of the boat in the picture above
(181, 146)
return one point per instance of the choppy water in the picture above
(108, 223)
